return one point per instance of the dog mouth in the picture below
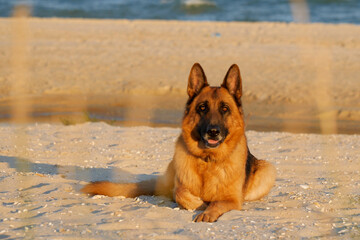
(212, 143)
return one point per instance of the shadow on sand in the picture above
(73, 172)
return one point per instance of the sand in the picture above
(292, 73)
(316, 192)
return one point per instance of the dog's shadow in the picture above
(73, 172)
(86, 175)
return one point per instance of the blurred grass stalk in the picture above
(300, 11)
(20, 64)
(21, 107)
(20, 83)
(322, 60)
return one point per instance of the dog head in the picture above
(213, 117)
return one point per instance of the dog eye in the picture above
(202, 108)
(225, 109)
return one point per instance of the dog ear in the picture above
(233, 83)
(197, 80)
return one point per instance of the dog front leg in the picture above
(187, 200)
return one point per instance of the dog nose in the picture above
(213, 131)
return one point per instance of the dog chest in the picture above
(220, 182)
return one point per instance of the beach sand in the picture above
(296, 77)
(316, 192)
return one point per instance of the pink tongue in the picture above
(212, 141)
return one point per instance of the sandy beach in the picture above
(296, 77)
(299, 78)
(316, 192)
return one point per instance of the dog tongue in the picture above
(211, 141)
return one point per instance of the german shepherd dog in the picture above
(212, 169)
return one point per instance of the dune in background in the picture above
(296, 77)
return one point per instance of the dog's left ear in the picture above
(232, 82)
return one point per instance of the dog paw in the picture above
(206, 217)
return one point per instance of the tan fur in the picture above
(215, 179)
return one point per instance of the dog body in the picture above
(212, 169)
